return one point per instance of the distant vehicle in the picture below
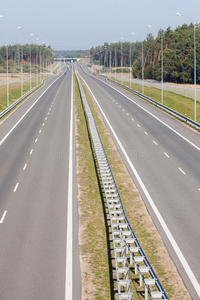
(67, 66)
(56, 74)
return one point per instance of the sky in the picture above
(82, 24)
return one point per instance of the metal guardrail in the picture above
(127, 250)
(175, 113)
(5, 111)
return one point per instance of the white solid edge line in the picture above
(5, 137)
(68, 279)
(3, 217)
(175, 246)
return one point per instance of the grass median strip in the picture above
(138, 217)
(92, 234)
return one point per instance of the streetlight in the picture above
(150, 26)
(19, 27)
(44, 57)
(30, 63)
(130, 60)
(142, 69)
(105, 57)
(110, 60)
(99, 61)
(7, 75)
(37, 62)
(195, 94)
(115, 59)
(121, 59)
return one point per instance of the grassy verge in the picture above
(138, 216)
(14, 92)
(93, 242)
(179, 103)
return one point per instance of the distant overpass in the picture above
(66, 58)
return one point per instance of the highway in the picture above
(39, 256)
(163, 158)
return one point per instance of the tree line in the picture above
(178, 55)
(73, 53)
(17, 54)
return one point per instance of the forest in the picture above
(73, 53)
(15, 55)
(176, 46)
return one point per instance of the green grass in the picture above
(180, 104)
(93, 244)
(14, 92)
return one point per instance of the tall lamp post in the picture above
(99, 61)
(7, 75)
(21, 63)
(121, 59)
(150, 26)
(110, 61)
(195, 71)
(142, 68)
(115, 59)
(30, 64)
(130, 60)
(37, 61)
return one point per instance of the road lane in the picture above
(35, 158)
(147, 141)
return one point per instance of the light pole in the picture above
(30, 63)
(195, 72)
(130, 60)
(110, 61)
(104, 59)
(37, 62)
(142, 69)
(150, 26)
(121, 59)
(115, 59)
(99, 61)
(40, 65)
(7, 75)
(21, 62)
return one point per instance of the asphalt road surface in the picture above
(163, 158)
(39, 256)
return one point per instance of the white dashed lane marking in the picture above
(182, 171)
(16, 187)
(24, 168)
(3, 217)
